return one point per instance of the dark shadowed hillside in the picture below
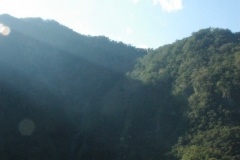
(66, 96)
(57, 78)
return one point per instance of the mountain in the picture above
(99, 50)
(58, 79)
(203, 73)
(65, 96)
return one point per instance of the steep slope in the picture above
(99, 50)
(46, 77)
(65, 96)
(203, 72)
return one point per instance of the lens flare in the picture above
(26, 127)
(4, 30)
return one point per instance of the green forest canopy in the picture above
(202, 70)
(88, 101)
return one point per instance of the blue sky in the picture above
(141, 23)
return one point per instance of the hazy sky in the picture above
(142, 23)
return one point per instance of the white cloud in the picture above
(169, 5)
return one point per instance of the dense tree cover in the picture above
(98, 50)
(61, 88)
(203, 71)
(218, 143)
(87, 101)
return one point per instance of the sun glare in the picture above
(26, 127)
(4, 30)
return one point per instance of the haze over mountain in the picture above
(141, 23)
(66, 96)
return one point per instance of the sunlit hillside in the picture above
(67, 96)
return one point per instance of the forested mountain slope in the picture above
(203, 71)
(58, 79)
(68, 96)
(99, 50)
